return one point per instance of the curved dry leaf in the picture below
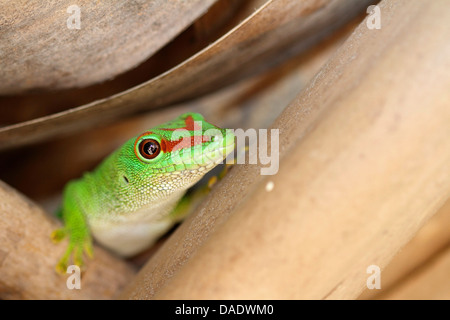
(55, 44)
(28, 257)
(357, 177)
(274, 31)
(431, 240)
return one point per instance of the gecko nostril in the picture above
(215, 138)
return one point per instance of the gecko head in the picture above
(176, 154)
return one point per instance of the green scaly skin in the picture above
(128, 201)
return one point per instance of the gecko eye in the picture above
(149, 148)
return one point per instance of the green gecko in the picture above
(131, 198)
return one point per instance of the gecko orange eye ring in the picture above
(149, 148)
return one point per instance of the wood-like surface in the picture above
(365, 163)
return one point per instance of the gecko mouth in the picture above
(212, 154)
(200, 157)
